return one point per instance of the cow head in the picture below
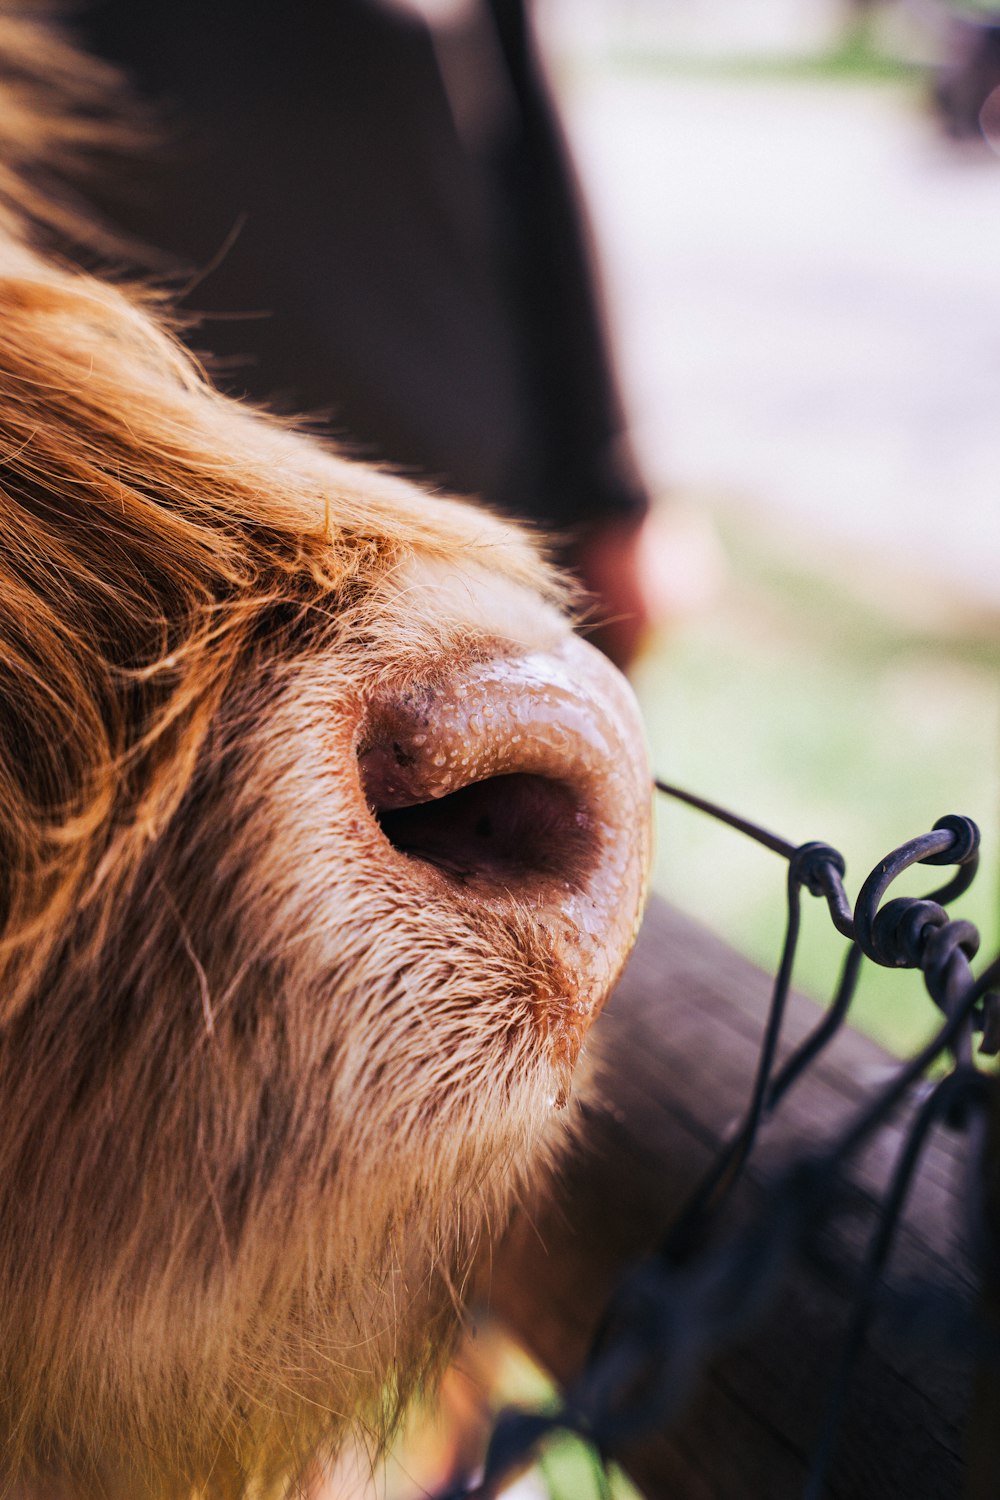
(322, 840)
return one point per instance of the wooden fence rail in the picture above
(678, 1047)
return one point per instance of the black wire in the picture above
(723, 1175)
(822, 1034)
(672, 1314)
(733, 820)
(934, 1107)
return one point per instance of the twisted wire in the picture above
(674, 1312)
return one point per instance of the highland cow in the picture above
(322, 839)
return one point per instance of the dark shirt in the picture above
(385, 233)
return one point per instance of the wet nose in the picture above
(522, 782)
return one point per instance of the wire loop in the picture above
(705, 1286)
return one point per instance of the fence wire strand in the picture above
(707, 1284)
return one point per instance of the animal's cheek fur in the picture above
(263, 1139)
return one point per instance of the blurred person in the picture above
(971, 72)
(377, 205)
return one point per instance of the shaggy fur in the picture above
(254, 1108)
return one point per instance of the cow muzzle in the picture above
(521, 782)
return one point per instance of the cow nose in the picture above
(522, 783)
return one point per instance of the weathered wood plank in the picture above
(678, 1047)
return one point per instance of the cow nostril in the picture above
(504, 830)
(519, 781)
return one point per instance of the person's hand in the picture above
(642, 574)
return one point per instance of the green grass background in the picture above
(826, 702)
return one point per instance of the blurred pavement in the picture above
(805, 282)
